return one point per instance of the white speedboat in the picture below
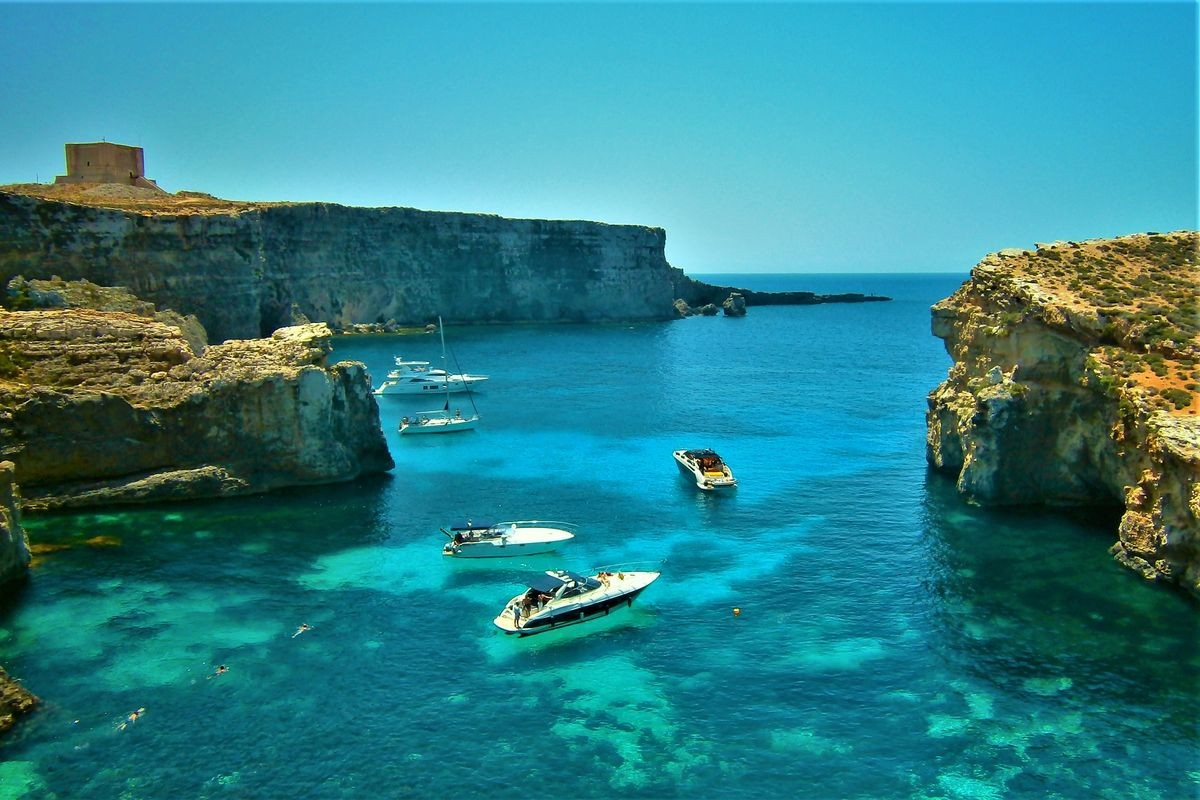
(559, 598)
(415, 377)
(706, 468)
(499, 539)
(439, 421)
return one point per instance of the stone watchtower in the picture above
(106, 162)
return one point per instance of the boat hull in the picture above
(438, 425)
(453, 386)
(520, 542)
(573, 613)
(704, 482)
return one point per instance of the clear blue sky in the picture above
(764, 138)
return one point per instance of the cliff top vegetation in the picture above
(1144, 293)
(134, 198)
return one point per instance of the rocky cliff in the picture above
(245, 269)
(1076, 381)
(15, 699)
(112, 407)
(14, 546)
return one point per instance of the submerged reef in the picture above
(1076, 381)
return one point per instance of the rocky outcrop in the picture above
(1074, 382)
(734, 305)
(15, 701)
(14, 545)
(113, 407)
(699, 293)
(22, 294)
(245, 269)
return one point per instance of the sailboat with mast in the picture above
(441, 420)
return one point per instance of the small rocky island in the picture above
(1076, 381)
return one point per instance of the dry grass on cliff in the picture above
(133, 198)
(1145, 291)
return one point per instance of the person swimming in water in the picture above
(132, 718)
(304, 626)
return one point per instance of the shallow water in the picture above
(892, 642)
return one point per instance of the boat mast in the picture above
(445, 371)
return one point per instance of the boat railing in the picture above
(630, 566)
(532, 523)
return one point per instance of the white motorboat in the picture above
(500, 539)
(706, 468)
(558, 598)
(416, 377)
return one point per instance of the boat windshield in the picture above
(571, 584)
(472, 525)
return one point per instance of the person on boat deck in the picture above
(458, 538)
(458, 413)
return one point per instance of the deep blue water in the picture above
(893, 642)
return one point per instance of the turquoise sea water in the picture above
(893, 641)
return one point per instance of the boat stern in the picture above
(507, 620)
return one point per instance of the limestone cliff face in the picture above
(1074, 383)
(14, 546)
(15, 699)
(246, 271)
(111, 407)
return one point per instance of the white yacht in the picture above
(437, 421)
(559, 598)
(706, 468)
(500, 539)
(416, 377)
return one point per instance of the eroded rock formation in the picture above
(113, 407)
(1075, 382)
(14, 546)
(15, 699)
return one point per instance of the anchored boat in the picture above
(500, 539)
(415, 377)
(706, 468)
(441, 420)
(559, 598)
